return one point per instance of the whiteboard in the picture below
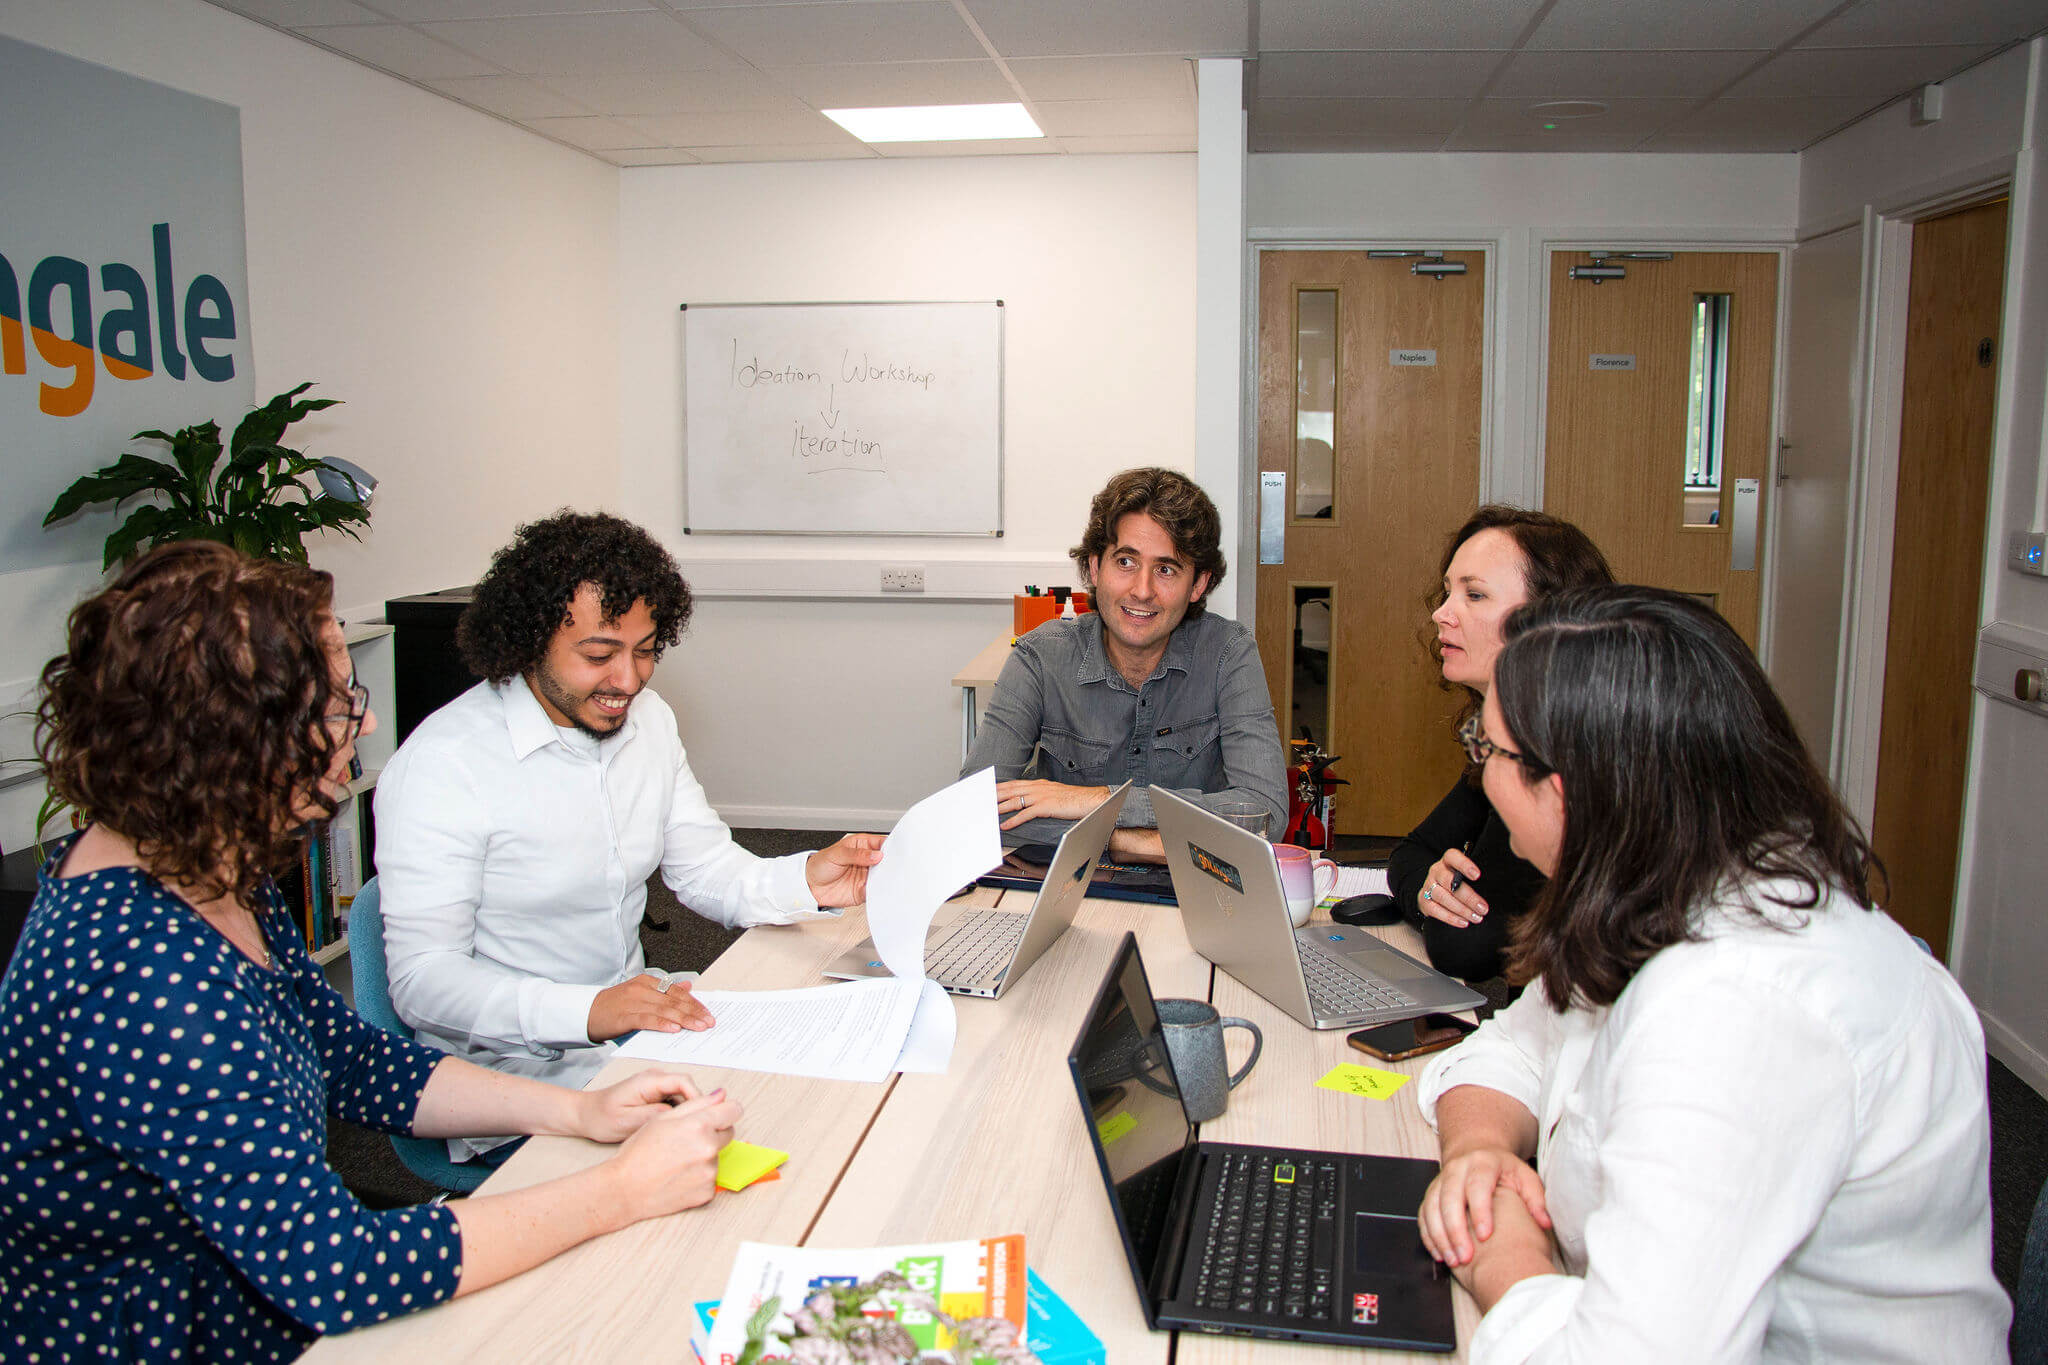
(843, 418)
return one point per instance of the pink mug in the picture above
(1303, 881)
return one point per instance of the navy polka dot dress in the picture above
(164, 1187)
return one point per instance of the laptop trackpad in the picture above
(1389, 965)
(1390, 1245)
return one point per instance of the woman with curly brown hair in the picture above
(168, 1051)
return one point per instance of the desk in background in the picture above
(995, 1145)
(981, 671)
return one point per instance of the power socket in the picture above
(903, 578)
(2027, 553)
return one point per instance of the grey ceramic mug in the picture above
(1194, 1036)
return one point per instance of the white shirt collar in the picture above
(532, 729)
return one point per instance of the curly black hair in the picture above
(523, 600)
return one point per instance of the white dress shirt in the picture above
(513, 858)
(1773, 1147)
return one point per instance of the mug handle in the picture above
(1316, 873)
(1258, 1041)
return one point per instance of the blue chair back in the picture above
(426, 1158)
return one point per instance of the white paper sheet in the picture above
(941, 843)
(929, 1045)
(851, 1031)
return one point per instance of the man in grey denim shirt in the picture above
(1146, 687)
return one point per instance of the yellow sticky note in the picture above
(740, 1164)
(1115, 1126)
(1350, 1078)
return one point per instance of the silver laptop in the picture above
(1326, 975)
(984, 951)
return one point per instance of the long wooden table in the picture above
(995, 1145)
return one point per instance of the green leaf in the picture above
(264, 425)
(153, 524)
(117, 482)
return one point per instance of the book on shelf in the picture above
(969, 1279)
(1053, 1331)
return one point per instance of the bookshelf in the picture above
(343, 858)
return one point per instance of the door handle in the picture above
(1742, 544)
(1273, 516)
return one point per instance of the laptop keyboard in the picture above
(1272, 1241)
(980, 945)
(1335, 990)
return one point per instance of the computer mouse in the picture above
(1368, 910)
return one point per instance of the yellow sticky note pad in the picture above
(740, 1164)
(1350, 1078)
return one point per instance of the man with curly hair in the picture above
(1146, 688)
(518, 825)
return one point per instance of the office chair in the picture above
(426, 1158)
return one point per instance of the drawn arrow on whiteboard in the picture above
(832, 417)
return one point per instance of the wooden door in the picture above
(1951, 386)
(1386, 365)
(1620, 405)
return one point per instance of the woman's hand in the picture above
(1447, 892)
(671, 1162)
(616, 1112)
(1457, 1209)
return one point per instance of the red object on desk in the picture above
(1029, 613)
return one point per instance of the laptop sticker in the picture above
(1209, 863)
(1365, 1309)
(1115, 1126)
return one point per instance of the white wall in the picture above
(815, 713)
(1516, 205)
(452, 278)
(1992, 126)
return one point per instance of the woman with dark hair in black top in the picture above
(1454, 876)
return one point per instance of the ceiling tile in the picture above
(1729, 142)
(649, 156)
(584, 44)
(1313, 25)
(1116, 118)
(1910, 23)
(1872, 74)
(1086, 28)
(1631, 120)
(1347, 142)
(588, 132)
(629, 93)
(399, 50)
(511, 96)
(1104, 78)
(1358, 116)
(851, 31)
(1634, 26)
(1597, 75)
(410, 10)
(1562, 141)
(811, 151)
(301, 13)
(765, 127)
(871, 85)
(1383, 75)
(1779, 125)
(1113, 146)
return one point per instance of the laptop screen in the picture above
(1132, 1108)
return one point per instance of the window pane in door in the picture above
(1315, 402)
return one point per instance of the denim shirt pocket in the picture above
(1188, 755)
(1075, 759)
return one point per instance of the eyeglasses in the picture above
(1478, 747)
(358, 705)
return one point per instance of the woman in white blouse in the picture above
(1754, 1106)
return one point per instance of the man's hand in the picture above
(616, 1112)
(1036, 799)
(838, 873)
(649, 1002)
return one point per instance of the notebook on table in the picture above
(1253, 1241)
(983, 951)
(1227, 882)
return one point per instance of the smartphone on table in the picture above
(1405, 1038)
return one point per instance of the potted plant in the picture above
(257, 501)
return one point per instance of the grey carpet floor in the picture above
(2019, 1117)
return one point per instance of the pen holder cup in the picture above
(1194, 1037)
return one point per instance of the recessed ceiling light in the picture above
(937, 123)
(1551, 113)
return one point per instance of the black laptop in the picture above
(1249, 1241)
(1023, 869)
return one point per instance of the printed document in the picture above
(852, 1031)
